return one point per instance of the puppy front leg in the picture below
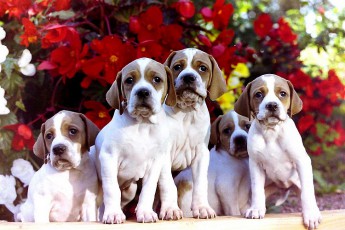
(41, 208)
(310, 211)
(113, 213)
(258, 206)
(200, 205)
(168, 195)
(144, 210)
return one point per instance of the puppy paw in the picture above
(170, 213)
(146, 216)
(203, 212)
(255, 213)
(311, 218)
(114, 217)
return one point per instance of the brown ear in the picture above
(242, 105)
(169, 59)
(91, 131)
(171, 98)
(217, 86)
(40, 148)
(214, 139)
(296, 103)
(114, 94)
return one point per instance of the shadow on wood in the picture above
(334, 219)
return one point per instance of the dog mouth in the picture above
(62, 164)
(241, 154)
(188, 97)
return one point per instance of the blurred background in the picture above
(63, 54)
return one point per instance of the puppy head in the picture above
(229, 132)
(270, 99)
(65, 137)
(195, 73)
(141, 87)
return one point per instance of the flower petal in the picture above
(25, 59)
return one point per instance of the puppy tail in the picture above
(283, 198)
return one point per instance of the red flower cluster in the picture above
(98, 113)
(220, 15)
(23, 137)
(30, 35)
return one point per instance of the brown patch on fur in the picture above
(182, 188)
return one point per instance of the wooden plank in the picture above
(334, 219)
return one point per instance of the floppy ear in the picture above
(91, 131)
(296, 103)
(217, 85)
(114, 94)
(214, 139)
(40, 148)
(169, 59)
(242, 105)
(171, 98)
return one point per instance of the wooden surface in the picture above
(331, 220)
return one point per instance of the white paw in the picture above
(170, 213)
(146, 216)
(203, 212)
(255, 213)
(113, 217)
(311, 218)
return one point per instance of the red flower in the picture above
(98, 114)
(305, 123)
(225, 37)
(285, 33)
(150, 49)
(340, 140)
(30, 33)
(204, 40)
(66, 60)
(220, 15)
(263, 25)
(62, 4)
(22, 138)
(15, 8)
(185, 8)
(113, 56)
(56, 33)
(300, 80)
(150, 22)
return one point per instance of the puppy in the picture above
(275, 148)
(133, 145)
(196, 75)
(228, 171)
(66, 186)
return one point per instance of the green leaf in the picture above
(8, 119)
(63, 14)
(20, 105)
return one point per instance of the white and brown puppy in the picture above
(275, 148)
(196, 75)
(228, 171)
(64, 188)
(134, 144)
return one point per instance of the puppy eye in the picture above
(177, 67)
(73, 131)
(258, 95)
(227, 131)
(283, 94)
(129, 81)
(49, 136)
(247, 126)
(157, 79)
(202, 68)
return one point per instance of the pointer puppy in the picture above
(134, 143)
(196, 75)
(275, 148)
(64, 188)
(228, 172)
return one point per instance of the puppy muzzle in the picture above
(240, 147)
(60, 158)
(189, 91)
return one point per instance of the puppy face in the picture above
(141, 87)
(195, 73)
(65, 137)
(229, 132)
(270, 99)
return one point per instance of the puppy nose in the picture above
(143, 93)
(272, 106)
(189, 78)
(59, 149)
(240, 141)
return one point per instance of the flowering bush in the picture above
(65, 54)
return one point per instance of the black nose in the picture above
(59, 149)
(240, 142)
(143, 93)
(189, 78)
(272, 106)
